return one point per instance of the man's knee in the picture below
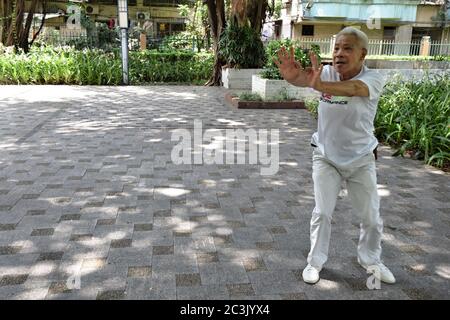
(320, 214)
(372, 223)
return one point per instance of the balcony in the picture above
(405, 11)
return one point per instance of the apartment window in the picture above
(111, 2)
(307, 30)
(389, 33)
(164, 2)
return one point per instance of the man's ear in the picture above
(363, 54)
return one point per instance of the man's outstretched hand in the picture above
(293, 72)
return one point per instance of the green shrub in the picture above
(414, 116)
(249, 96)
(173, 66)
(313, 106)
(66, 65)
(182, 41)
(282, 95)
(270, 70)
(241, 47)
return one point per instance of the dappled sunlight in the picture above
(216, 218)
(209, 183)
(86, 125)
(95, 241)
(153, 140)
(289, 163)
(116, 235)
(328, 285)
(278, 183)
(43, 268)
(183, 95)
(231, 122)
(297, 130)
(8, 145)
(443, 271)
(171, 192)
(14, 269)
(383, 190)
(166, 119)
(222, 231)
(93, 266)
(59, 201)
(32, 293)
(423, 224)
(50, 93)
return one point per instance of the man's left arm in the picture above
(349, 88)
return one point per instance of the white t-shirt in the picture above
(345, 124)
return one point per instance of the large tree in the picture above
(252, 12)
(16, 21)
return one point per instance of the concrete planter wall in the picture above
(268, 88)
(240, 79)
(413, 65)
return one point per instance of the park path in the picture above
(92, 206)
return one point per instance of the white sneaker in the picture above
(384, 274)
(311, 274)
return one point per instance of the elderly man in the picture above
(344, 147)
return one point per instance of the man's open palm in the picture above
(293, 72)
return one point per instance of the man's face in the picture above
(348, 56)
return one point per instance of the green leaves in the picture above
(66, 65)
(414, 116)
(302, 55)
(241, 47)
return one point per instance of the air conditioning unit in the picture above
(142, 15)
(90, 9)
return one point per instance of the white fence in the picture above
(423, 47)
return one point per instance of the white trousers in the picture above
(361, 180)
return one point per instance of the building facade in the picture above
(162, 16)
(398, 21)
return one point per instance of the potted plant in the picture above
(243, 51)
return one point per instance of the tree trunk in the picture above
(15, 31)
(244, 11)
(17, 24)
(216, 13)
(257, 13)
(23, 37)
(44, 13)
(6, 12)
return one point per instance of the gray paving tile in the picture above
(114, 207)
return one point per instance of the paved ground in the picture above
(88, 192)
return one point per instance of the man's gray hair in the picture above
(361, 36)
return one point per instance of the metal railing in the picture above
(390, 47)
(324, 44)
(385, 47)
(111, 39)
(438, 48)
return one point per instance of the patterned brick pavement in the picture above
(92, 207)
